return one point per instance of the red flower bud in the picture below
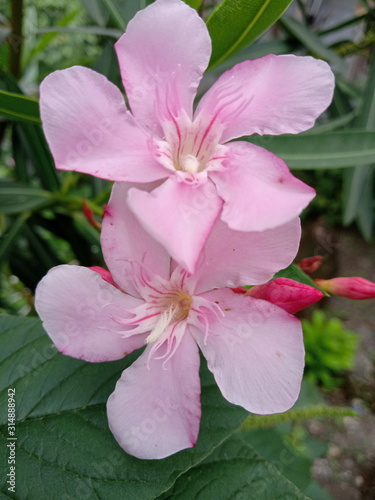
(106, 275)
(290, 295)
(89, 214)
(352, 288)
(310, 264)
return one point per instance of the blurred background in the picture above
(49, 218)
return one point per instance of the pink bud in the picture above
(290, 295)
(352, 288)
(310, 264)
(89, 214)
(106, 275)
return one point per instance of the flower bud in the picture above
(106, 275)
(290, 295)
(352, 288)
(310, 264)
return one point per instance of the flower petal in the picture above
(126, 244)
(78, 308)
(89, 129)
(162, 57)
(179, 216)
(271, 95)
(258, 189)
(155, 411)
(255, 352)
(234, 258)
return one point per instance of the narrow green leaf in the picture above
(235, 24)
(9, 237)
(97, 11)
(19, 107)
(366, 210)
(311, 41)
(64, 446)
(117, 15)
(16, 197)
(79, 30)
(315, 151)
(357, 179)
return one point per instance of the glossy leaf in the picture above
(295, 273)
(63, 441)
(235, 24)
(314, 151)
(234, 471)
(16, 197)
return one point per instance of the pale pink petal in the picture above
(179, 216)
(255, 352)
(126, 245)
(89, 130)
(271, 95)
(234, 258)
(79, 311)
(155, 411)
(162, 57)
(258, 190)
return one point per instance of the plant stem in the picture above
(316, 411)
(16, 38)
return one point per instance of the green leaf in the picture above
(64, 446)
(358, 179)
(311, 41)
(234, 471)
(16, 197)
(97, 11)
(235, 24)
(8, 238)
(118, 15)
(195, 4)
(329, 150)
(79, 30)
(19, 107)
(295, 273)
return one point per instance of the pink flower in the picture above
(201, 176)
(352, 288)
(290, 295)
(254, 348)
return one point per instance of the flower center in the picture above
(190, 147)
(175, 307)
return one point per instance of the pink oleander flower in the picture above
(253, 348)
(352, 288)
(290, 295)
(201, 175)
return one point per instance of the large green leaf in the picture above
(235, 24)
(329, 150)
(18, 107)
(64, 446)
(234, 471)
(295, 273)
(16, 197)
